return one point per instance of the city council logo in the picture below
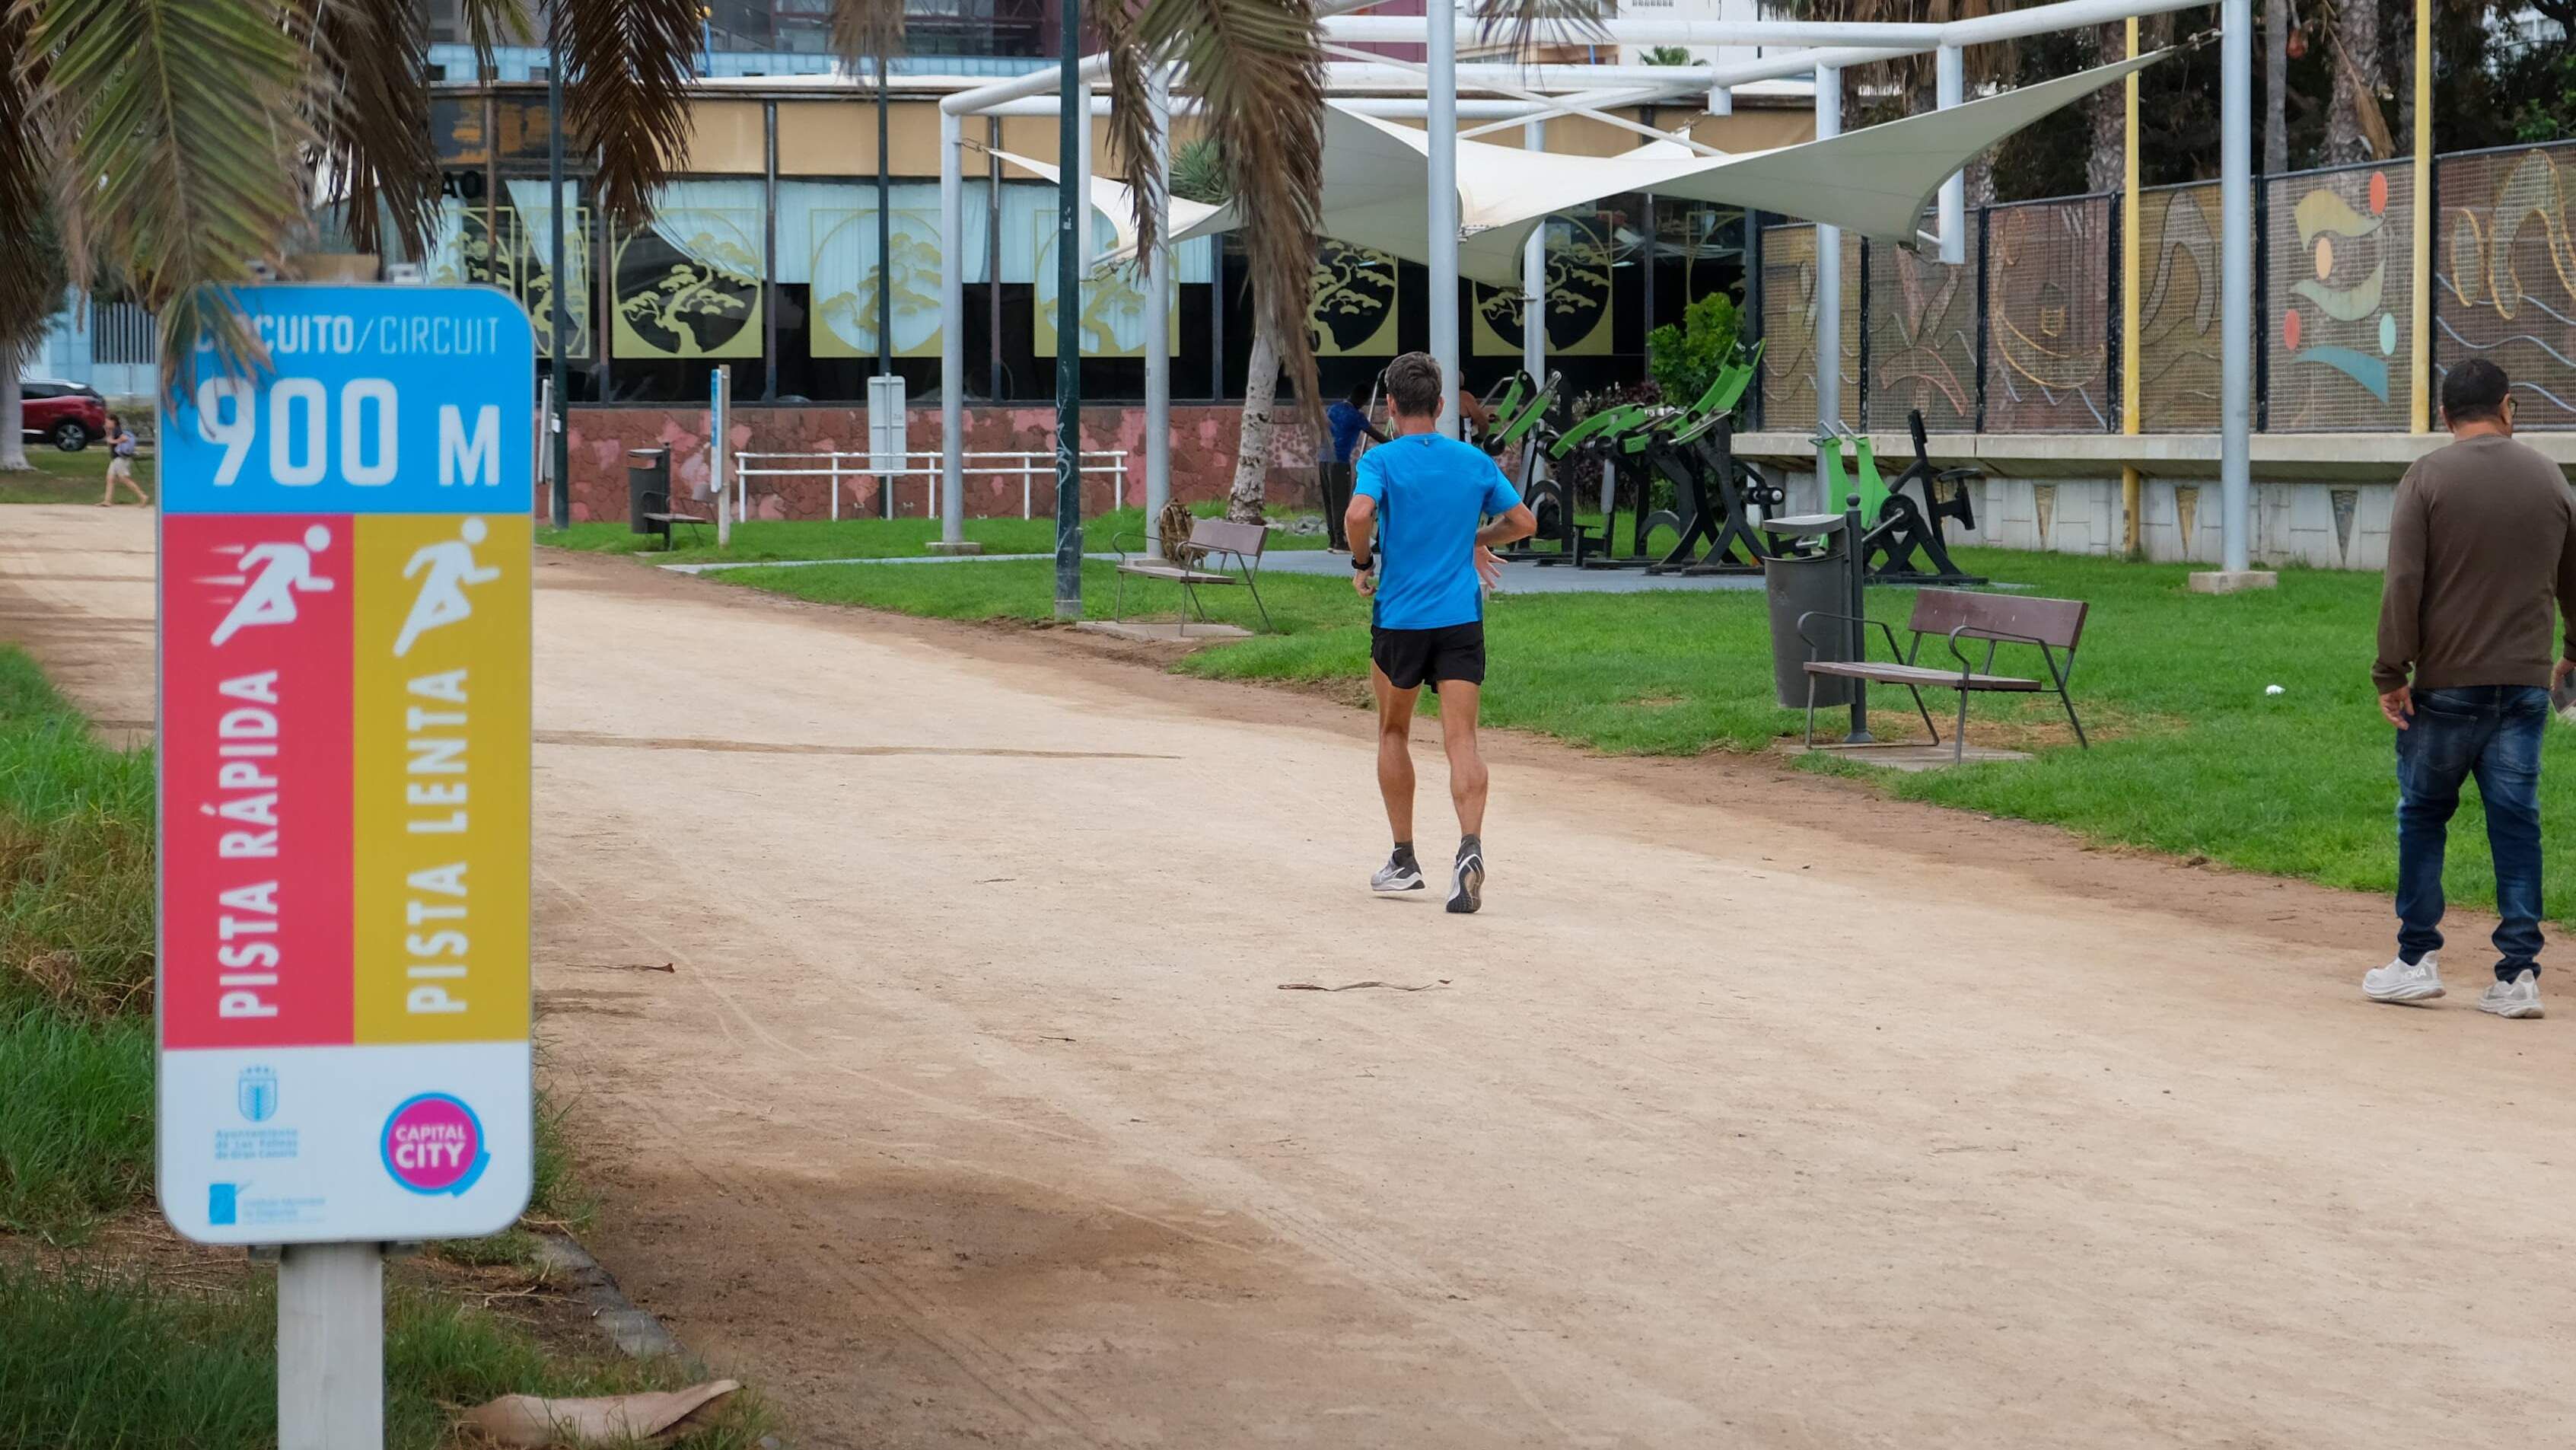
(255, 1093)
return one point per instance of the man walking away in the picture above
(1348, 419)
(1419, 517)
(2483, 540)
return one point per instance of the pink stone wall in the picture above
(1203, 449)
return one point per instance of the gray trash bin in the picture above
(648, 487)
(1816, 577)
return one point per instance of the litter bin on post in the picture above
(648, 487)
(1817, 576)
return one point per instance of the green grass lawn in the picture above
(2191, 756)
(769, 540)
(60, 477)
(93, 1354)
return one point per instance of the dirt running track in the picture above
(973, 1113)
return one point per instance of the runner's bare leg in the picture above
(1394, 752)
(1458, 701)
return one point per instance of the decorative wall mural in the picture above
(1788, 295)
(688, 286)
(2340, 255)
(1922, 338)
(2177, 342)
(1353, 310)
(2507, 281)
(1579, 250)
(1113, 305)
(2049, 286)
(846, 277)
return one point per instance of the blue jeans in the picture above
(2491, 732)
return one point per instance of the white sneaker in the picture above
(2517, 998)
(2399, 982)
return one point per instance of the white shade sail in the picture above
(1876, 181)
(1110, 198)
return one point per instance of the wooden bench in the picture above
(1202, 558)
(2053, 626)
(669, 516)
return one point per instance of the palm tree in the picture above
(201, 132)
(1198, 174)
(2356, 130)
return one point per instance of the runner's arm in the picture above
(1515, 524)
(1359, 526)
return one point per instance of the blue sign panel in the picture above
(377, 400)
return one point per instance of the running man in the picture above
(1431, 494)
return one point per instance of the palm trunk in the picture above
(2276, 86)
(2356, 83)
(1252, 448)
(13, 446)
(2106, 166)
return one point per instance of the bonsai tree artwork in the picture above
(700, 298)
(1578, 295)
(849, 314)
(1353, 313)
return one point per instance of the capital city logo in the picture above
(255, 1093)
(433, 1144)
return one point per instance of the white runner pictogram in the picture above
(450, 565)
(272, 575)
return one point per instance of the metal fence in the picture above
(2025, 336)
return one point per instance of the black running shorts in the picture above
(1413, 657)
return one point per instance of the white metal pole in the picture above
(1951, 80)
(1829, 284)
(1441, 130)
(1534, 280)
(952, 338)
(1158, 345)
(2236, 279)
(331, 1347)
(717, 481)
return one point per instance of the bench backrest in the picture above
(2013, 618)
(1221, 534)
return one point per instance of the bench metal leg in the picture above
(1921, 709)
(1255, 589)
(1959, 742)
(2068, 701)
(1811, 712)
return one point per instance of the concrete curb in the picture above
(633, 1331)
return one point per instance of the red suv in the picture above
(66, 415)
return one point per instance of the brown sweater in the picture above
(2482, 542)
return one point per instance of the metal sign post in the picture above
(719, 474)
(345, 556)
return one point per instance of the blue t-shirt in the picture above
(1432, 491)
(1347, 424)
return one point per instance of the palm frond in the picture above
(1135, 132)
(1258, 67)
(489, 24)
(368, 103)
(626, 75)
(178, 132)
(869, 30)
(1516, 24)
(24, 202)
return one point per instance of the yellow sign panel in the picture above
(440, 777)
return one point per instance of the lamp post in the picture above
(1070, 245)
(558, 443)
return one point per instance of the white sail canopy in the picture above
(1876, 181)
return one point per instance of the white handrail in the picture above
(1029, 467)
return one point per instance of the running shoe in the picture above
(1467, 881)
(2404, 981)
(1399, 874)
(2517, 998)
